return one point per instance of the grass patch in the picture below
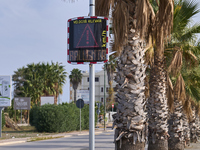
(43, 138)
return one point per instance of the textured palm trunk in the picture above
(186, 130)
(197, 121)
(176, 140)
(193, 128)
(75, 96)
(157, 103)
(111, 92)
(130, 118)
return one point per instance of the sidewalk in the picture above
(67, 134)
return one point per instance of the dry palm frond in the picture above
(191, 58)
(176, 63)
(198, 109)
(193, 103)
(165, 18)
(147, 87)
(187, 106)
(149, 55)
(102, 7)
(180, 89)
(145, 16)
(170, 95)
(120, 25)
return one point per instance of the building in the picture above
(83, 88)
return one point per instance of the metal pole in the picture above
(0, 120)
(21, 116)
(80, 116)
(92, 7)
(104, 97)
(92, 92)
(92, 109)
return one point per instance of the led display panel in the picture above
(87, 39)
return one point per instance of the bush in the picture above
(60, 118)
(3, 120)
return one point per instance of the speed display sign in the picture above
(87, 40)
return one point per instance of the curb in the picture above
(13, 142)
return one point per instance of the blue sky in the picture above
(35, 31)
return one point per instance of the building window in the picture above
(101, 89)
(102, 99)
(96, 79)
(107, 89)
(88, 88)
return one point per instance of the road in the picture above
(102, 141)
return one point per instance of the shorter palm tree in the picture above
(110, 68)
(75, 79)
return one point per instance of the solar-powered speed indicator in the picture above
(87, 40)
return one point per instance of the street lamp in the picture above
(105, 96)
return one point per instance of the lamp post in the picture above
(92, 91)
(105, 97)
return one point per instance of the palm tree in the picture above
(75, 78)
(130, 119)
(38, 80)
(157, 102)
(182, 49)
(110, 68)
(129, 17)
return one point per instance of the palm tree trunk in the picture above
(193, 128)
(186, 130)
(197, 125)
(75, 96)
(176, 140)
(125, 146)
(157, 103)
(130, 118)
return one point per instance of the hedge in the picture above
(60, 118)
(3, 120)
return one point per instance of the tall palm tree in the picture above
(129, 17)
(157, 102)
(182, 38)
(75, 78)
(130, 119)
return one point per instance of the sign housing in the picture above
(87, 40)
(5, 91)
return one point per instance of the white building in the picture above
(83, 88)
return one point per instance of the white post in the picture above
(0, 121)
(80, 120)
(92, 93)
(92, 109)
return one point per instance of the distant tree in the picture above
(36, 80)
(75, 78)
(110, 68)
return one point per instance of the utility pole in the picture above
(104, 102)
(92, 92)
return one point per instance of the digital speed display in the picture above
(87, 39)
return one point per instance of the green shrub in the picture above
(60, 118)
(3, 120)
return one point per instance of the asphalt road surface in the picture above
(103, 141)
